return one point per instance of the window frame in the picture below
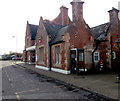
(113, 55)
(57, 55)
(98, 55)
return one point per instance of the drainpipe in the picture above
(50, 58)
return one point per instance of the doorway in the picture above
(77, 60)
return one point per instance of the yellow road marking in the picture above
(27, 91)
(17, 96)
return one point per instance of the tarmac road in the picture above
(21, 83)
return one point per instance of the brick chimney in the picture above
(62, 18)
(64, 15)
(77, 10)
(113, 14)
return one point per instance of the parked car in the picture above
(17, 58)
(6, 57)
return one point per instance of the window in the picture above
(81, 56)
(41, 56)
(96, 56)
(57, 54)
(113, 55)
(73, 54)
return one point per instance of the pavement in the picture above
(105, 84)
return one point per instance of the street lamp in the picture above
(118, 46)
(15, 46)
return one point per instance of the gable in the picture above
(59, 35)
(52, 29)
(100, 32)
(33, 31)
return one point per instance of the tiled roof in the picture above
(52, 30)
(59, 35)
(33, 30)
(100, 32)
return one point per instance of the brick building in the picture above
(106, 35)
(67, 46)
(56, 40)
(30, 36)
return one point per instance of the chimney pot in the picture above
(113, 14)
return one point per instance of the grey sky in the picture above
(15, 14)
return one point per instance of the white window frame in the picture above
(98, 55)
(114, 55)
(57, 55)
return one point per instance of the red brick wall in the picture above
(79, 30)
(28, 41)
(77, 10)
(24, 56)
(114, 32)
(103, 51)
(28, 56)
(79, 35)
(63, 64)
(42, 35)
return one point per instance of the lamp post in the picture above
(118, 46)
(15, 47)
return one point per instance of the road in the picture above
(21, 83)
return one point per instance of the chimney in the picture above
(64, 15)
(113, 14)
(77, 10)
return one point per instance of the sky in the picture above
(14, 15)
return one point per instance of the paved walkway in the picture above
(104, 84)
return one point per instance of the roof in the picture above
(114, 9)
(52, 30)
(59, 35)
(99, 32)
(33, 30)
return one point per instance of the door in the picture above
(73, 61)
(33, 56)
(80, 60)
(77, 61)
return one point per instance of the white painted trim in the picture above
(42, 67)
(53, 69)
(83, 69)
(31, 48)
(114, 55)
(98, 54)
(60, 71)
(74, 49)
(30, 63)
